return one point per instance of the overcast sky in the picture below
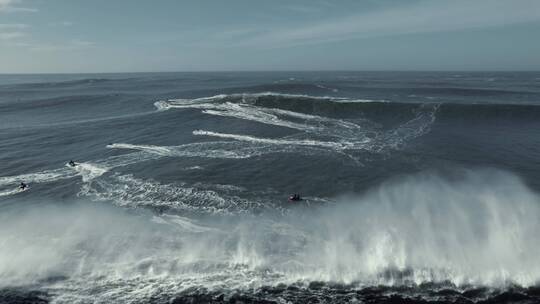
(40, 36)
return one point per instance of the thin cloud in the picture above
(73, 45)
(82, 43)
(303, 9)
(312, 7)
(11, 35)
(9, 6)
(427, 16)
(62, 23)
(16, 44)
(13, 26)
(12, 31)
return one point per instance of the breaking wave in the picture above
(371, 110)
(188, 203)
(472, 229)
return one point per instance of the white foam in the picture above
(38, 177)
(13, 191)
(160, 150)
(217, 149)
(245, 97)
(186, 224)
(346, 135)
(327, 88)
(129, 191)
(416, 127)
(362, 135)
(88, 171)
(254, 114)
(359, 100)
(333, 145)
(126, 159)
(161, 105)
(317, 125)
(159, 220)
(314, 124)
(194, 168)
(275, 94)
(480, 230)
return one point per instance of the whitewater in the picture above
(419, 187)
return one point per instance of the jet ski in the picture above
(295, 198)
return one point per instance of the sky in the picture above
(76, 36)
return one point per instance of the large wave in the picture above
(267, 109)
(358, 107)
(469, 229)
(316, 134)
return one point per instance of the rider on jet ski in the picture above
(295, 197)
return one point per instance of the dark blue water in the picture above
(416, 186)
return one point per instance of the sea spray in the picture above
(475, 227)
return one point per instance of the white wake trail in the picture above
(159, 150)
(364, 135)
(38, 177)
(252, 139)
(86, 170)
(13, 191)
(312, 124)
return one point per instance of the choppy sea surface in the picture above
(417, 187)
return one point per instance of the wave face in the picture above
(416, 187)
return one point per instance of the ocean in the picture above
(416, 187)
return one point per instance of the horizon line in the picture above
(271, 71)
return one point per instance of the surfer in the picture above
(23, 186)
(72, 163)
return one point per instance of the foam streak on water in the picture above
(348, 135)
(272, 141)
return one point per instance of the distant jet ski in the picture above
(72, 163)
(295, 198)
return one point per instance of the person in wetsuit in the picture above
(71, 163)
(23, 186)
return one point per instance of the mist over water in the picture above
(477, 228)
(184, 197)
